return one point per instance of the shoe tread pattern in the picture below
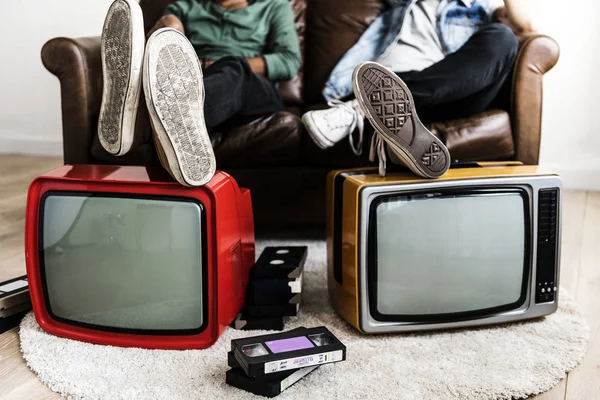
(116, 43)
(180, 107)
(391, 106)
(431, 155)
(389, 101)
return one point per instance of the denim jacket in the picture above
(458, 21)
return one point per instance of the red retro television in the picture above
(125, 256)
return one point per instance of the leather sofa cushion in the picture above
(338, 156)
(483, 137)
(268, 141)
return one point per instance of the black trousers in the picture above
(235, 94)
(468, 81)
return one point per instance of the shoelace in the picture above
(378, 146)
(357, 122)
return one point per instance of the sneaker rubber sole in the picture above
(388, 105)
(314, 132)
(174, 90)
(122, 53)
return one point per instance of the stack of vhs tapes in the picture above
(275, 289)
(267, 365)
(14, 302)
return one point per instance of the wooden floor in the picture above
(580, 275)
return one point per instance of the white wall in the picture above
(571, 133)
(30, 100)
(30, 118)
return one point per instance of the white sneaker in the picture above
(174, 90)
(328, 127)
(122, 53)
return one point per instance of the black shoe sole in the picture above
(389, 106)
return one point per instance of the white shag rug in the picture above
(500, 362)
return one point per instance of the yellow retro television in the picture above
(481, 245)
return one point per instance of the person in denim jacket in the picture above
(452, 54)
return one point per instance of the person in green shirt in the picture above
(261, 31)
(206, 64)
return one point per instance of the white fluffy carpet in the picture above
(502, 362)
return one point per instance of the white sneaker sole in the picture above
(320, 140)
(122, 53)
(174, 90)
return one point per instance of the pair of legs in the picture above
(175, 89)
(235, 94)
(463, 84)
(466, 82)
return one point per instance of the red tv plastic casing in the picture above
(229, 242)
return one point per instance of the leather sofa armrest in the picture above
(537, 55)
(77, 65)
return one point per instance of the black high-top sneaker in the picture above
(174, 90)
(389, 106)
(122, 52)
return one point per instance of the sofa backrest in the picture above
(332, 27)
(291, 91)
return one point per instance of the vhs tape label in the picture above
(303, 361)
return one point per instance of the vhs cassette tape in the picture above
(275, 286)
(280, 263)
(268, 385)
(14, 292)
(274, 299)
(276, 310)
(268, 354)
(245, 322)
(14, 302)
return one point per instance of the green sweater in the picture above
(264, 28)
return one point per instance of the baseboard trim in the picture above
(578, 178)
(32, 146)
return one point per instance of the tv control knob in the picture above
(555, 288)
(543, 290)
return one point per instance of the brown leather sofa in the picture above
(273, 156)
